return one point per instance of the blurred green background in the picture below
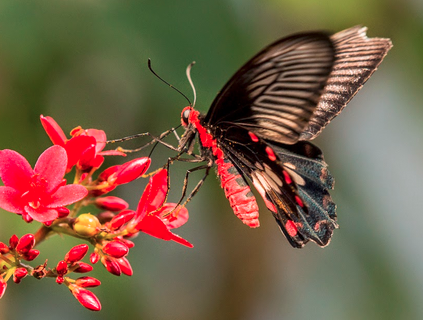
(85, 63)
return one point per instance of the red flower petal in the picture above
(182, 241)
(11, 200)
(112, 153)
(75, 148)
(67, 194)
(154, 194)
(100, 137)
(15, 171)
(155, 227)
(41, 214)
(51, 166)
(178, 218)
(53, 130)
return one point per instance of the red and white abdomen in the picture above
(238, 193)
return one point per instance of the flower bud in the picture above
(111, 203)
(86, 225)
(3, 248)
(63, 212)
(86, 282)
(94, 257)
(60, 279)
(62, 268)
(111, 265)
(83, 267)
(105, 216)
(120, 219)
(125, 266)
(13, 241)
(115, 249)
(132, 170)
(30, 255)
(19, 274)
(3, 286)
(76, 253)
(85, 297)
(25, 243)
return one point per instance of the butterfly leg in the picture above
(154, 139)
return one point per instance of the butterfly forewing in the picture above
(356, 58)
(276, 92)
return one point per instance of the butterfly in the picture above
(258, 128)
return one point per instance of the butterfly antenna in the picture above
(190, 81)
(153, 72)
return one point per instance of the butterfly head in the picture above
(185, 116)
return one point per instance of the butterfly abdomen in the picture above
(238, 193)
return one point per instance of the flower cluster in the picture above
(43, 194)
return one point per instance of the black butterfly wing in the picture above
(356, 58)
(293, 181)
(276, 92)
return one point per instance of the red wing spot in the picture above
(291, 228)
(270, 154)
(299, 201)
(253, 137)
(287, 177)
(317, 226)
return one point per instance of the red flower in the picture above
(85, 147)
(152, 215)
(37, 194)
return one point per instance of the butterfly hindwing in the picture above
(299, 201)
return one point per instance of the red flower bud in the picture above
(115, 249)
(122, 218)
(60, 279)
(111, 265)
(111, 203)
(94, 257)
(127, 242)
(132, 170)
(30, 255)
(76, 253)
(3, 286)
(19, 274)
(86, 282)
(13, 241)
(105, 216)
(3, 248)
(85, 297)
(25, 243)
(62, 268)
(125, 266)
(63, 212)
(83, 267)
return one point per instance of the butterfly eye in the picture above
(185, 116)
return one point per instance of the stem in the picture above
(42, 234)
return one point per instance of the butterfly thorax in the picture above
(236, 189)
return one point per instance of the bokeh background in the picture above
(85, 63)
